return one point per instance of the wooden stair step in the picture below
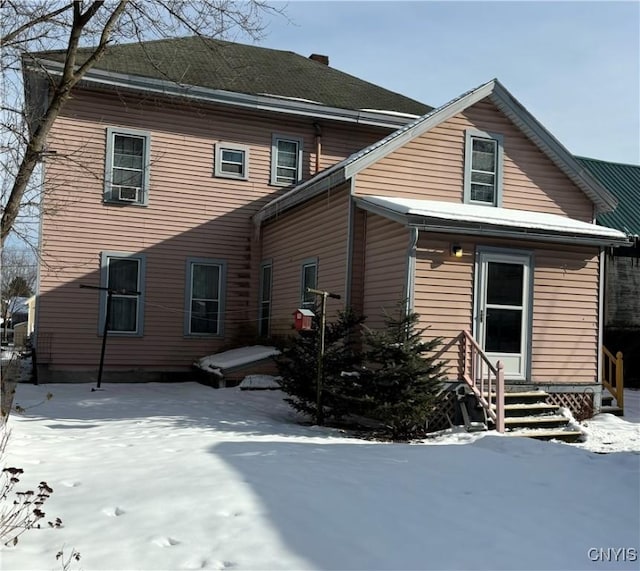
(549, 434)
(541, 421)
(514, 397)
(607, 400)
(611, 409)
(526, 409)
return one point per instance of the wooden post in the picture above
(500, 397)
(619, 380)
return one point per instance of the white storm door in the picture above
(503, 319)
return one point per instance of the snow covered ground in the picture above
(181, 476)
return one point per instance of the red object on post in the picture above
(303, 319)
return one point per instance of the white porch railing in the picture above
(483, 378)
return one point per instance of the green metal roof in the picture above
(623, 181)
(246, 69)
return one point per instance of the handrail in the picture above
(473, 371)
(613, 375)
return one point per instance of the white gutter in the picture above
(276, 104)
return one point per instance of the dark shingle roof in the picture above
(623, 181)
(252, 70)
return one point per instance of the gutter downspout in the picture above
(318, 138)
(414, 233)
(597, 404)
(350, 243)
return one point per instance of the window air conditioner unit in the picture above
(128, 193)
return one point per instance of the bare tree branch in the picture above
(10, 36)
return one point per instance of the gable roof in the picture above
(623, 181)
(241, 68)
(493, 90)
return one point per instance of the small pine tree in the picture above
(298, 366)
(402, 378)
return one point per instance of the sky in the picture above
(574, 65)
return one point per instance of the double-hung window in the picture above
(286, 160)
(266, 275)
(232, 161)
(309, 279)
(483, 168)
(127, 166)
(123, 275)
(204, 296)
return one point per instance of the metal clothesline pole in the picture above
(107, 318)
(320, 367)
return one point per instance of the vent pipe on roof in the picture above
(320, 58)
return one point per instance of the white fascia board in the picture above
(402, 136)
(377, 208)
(553, 148)
(256, 102)
(528, 234)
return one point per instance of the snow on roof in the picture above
(286, 97)
(394, 113)
(236, 357)
(474, 213)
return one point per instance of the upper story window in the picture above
(124, 275)
(483, 168)
(286, 160)
(232, 161)
(126, 179)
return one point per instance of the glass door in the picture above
(503, 315)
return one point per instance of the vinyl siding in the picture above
(565, 303)
(318, 229)
(385, 268)
(190, 213)
(431, 167)
(443, 294)
(565, 319)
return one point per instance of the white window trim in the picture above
(471, 134)
(104, 277)
(305, 264)
(143, 199)
(222, 146)
(188, 291)
(275, 138)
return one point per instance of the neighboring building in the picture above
(221, 198)
(622, 289)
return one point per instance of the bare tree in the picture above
(33, 26)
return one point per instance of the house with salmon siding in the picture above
(211, 183)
